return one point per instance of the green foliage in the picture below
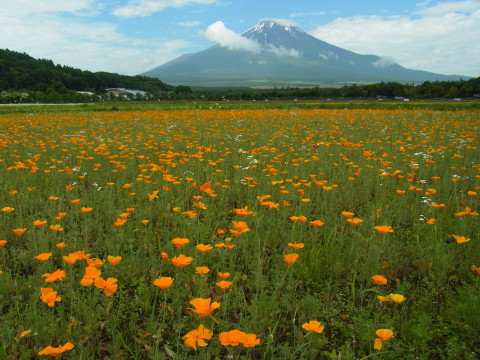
(48, 82)
(244, 153)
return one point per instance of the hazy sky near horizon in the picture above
(134, 36)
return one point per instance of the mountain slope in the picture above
(288, 56)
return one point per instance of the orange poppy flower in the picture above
(296, 245)
(460, 239)
(190, 214)
(75, 201)
(354, 221)
(43, 256)
(197, 337)
(223, 275)
(8, 209)
(203, 307)
(384, 334)
(56, 228)
(19, 232)
(379, 280)
(313, 326)
(348, 214)
(109, 286)
(60, 215)
(243, 212)
(94, 262)
(85, 210)
(61, 245)
(56, 351)
(153, 195)
(163, 283)
(240, 227)
(232, 338)
(91, 273)
(49, 296)
(39, 223)
(57, 275)
(164, 256)
(384, 229)
(206, 188)
(179, 243)
(290, 258)
(204, 248)
(114, 260)
(2, 243)
(224, 285)
(71, 258)
(120, 221)
(300, 218)
(251, 340)
(199, 205)
(202, 270)
(181, 260)
(317, 223)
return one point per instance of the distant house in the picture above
(85, 92)
(124, 92)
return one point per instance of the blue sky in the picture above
(133, 36)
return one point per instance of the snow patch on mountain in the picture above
(328, 55)
(281, 22)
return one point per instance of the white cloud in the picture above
(281, 22)
(384, 61)
(282, 51)
(442, 38)
(85, 44)
(25, 7)
(142, 8)
(218, 33)
(189, 23)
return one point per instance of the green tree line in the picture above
(27, 78)
(390, 90)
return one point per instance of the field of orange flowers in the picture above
(240, 234)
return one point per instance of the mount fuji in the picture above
(276, 54)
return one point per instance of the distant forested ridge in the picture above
(21, 72)
(440, 90)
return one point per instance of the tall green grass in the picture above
(364, 156)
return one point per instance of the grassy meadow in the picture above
(230, 233)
